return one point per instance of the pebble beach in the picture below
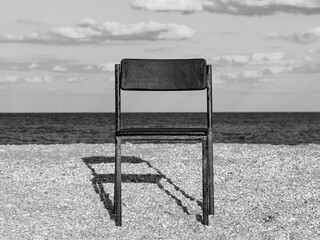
(262, 191)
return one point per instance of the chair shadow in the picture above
(99, 179)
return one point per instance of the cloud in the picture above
(261, 67)
(59, 69)
(73, 79)
(230, 60)
(268, 73)
(314, 51)
(306, 65)
(242, 77)
(107, 67)
(88, 31)
(56, 65)
(275, 58)
(234, 7)
(34, 65)
(12, 79)
(308, 58)
(304, 37)
(251, 77)
(160, 49)
(14, 64)
(313, 55)
(186, 6)
(9, 79)
(307, 68)
(36, 79)
(271, 70)
(88, 68)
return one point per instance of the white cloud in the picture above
(47, 79)
(231, 77)
(243, 77)
(75, 79)
(13, 79)
(88, 68)
(232, 60)
(314, 54)
(266, 80)
(90, 31)
(37, 79)
(34, 79)
(59, 69)
(307, 68)
(277, 69)
(56, 65)
(257, 67)
(252, 74)
(9, 79)
(187, 6)
(34, 65)
(308, 58)
(236, 7)
(308, 36)
(275, 58)
(262, 67)
(107, 67)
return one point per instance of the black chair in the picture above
(165, 75)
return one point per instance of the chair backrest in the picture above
(163, 74)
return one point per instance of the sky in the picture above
(59, 56)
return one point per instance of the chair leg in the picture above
(211, 178)
(205, 184)
(117, 184)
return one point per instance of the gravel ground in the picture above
(66, 192)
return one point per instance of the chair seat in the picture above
(162, 131)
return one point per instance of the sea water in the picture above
(252, 127)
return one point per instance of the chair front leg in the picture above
(205, 182)
(117, 183)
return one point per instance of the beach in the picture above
(262, 191)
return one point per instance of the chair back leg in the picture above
(117, 185)
(211, 178)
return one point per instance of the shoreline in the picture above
(66, 191)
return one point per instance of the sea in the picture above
(288, 128)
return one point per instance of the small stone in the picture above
(292, 219)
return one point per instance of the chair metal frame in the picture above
(206, 139)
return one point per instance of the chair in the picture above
(165, 75)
